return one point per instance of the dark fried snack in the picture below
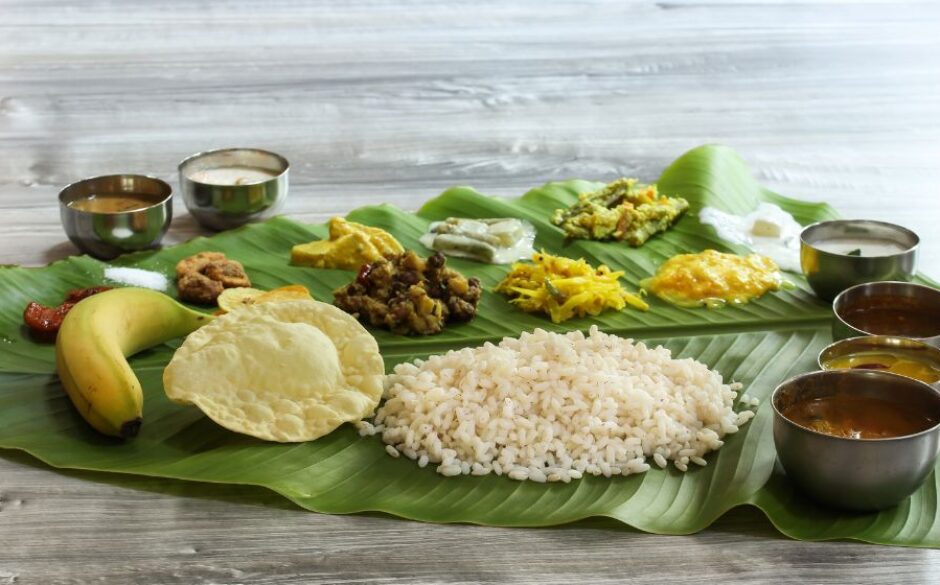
(44, 322)
(230, 273)
(202, 278)
(410, 295)
(199, 288)
(197, 262)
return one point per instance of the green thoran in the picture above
(623, 210)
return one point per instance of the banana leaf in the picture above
(758, 344)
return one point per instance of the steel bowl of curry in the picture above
(902, 309)
(856, 439)
(112, 214)
(885, 353)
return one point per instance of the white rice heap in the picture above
(552, 407)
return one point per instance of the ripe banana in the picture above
(93, 344)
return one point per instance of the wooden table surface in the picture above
(374, 102)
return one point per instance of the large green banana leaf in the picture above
(758, 344)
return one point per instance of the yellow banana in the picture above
(93, 344)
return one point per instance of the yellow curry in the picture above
(714, 279)
(350, 246)
(888, 361)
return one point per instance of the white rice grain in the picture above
(548, 407)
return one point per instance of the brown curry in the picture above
(893, 315)
(856, 416)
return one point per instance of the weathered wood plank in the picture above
(70, 529)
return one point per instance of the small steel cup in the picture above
(829, 273)
(919, 296)
(857, 474)
(912, 348)
(222, 207)
(107, 235)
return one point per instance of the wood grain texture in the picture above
(378, 101)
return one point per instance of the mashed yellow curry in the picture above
(714, 279)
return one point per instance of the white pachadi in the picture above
(289, 372)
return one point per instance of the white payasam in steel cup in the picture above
(228, 188)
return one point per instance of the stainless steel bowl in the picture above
(920, 297)
(829, 273)
(225, 206)
(857, 474)
(107, 235)
(912, 348)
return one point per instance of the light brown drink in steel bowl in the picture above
(109, 215)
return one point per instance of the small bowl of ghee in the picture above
(885, 353)
(109, 215)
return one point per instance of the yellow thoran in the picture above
(350, 246)
(565, 288)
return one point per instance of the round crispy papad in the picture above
(290, 371)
